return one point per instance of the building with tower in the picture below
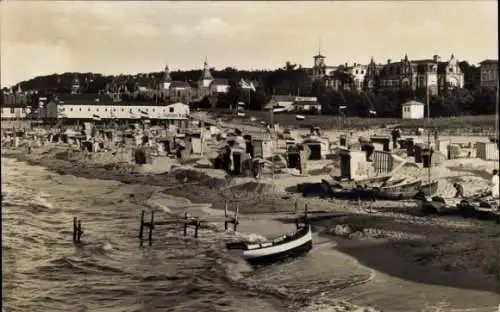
(204, 81)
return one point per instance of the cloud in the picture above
(206, 27)
(143, 30)
(213, 26)
(427, 28)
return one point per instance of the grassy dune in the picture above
(471, 124)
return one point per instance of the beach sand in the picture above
(450, 259)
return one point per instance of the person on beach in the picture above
(459, 190)
(494, 184)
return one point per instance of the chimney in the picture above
(355, 64)
(436, 58)
(345, 64)
(388, 61)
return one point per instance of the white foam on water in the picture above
(107, 247)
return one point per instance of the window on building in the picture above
(451, 69)
(80, 109)
(171, 109)
(123, 109)
(147, 109)
(23, 110)
(153, 110)
(130, 110)
(114, 109)
(97, 109)
(71, 108)
(12, 110)
(357, 71)
(105, 109)
(89, 109)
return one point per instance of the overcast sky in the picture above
(115, 37)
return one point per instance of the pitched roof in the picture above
(413, 103)
(179, 84)
(489, 61)
(220, 82)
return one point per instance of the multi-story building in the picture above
(489, 73)
(358, 74)
(14, 104)
(175, 91)
(431, 74)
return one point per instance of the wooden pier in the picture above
(187, 221)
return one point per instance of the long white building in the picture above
(176, 113)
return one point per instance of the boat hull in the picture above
(430, 188)
(280, 256)
(285, 247)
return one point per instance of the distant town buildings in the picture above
(137, 96)
(432, 74)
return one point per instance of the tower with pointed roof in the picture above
(166, 79)
(371, 75)
(319, 68)
(205, 81)
(75, 85)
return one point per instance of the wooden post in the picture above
(236, 213)
(186, 215)
(295, 206)
(226, 221)
(75, 228)
(306, 218)
(80, 231)
(141, 227)
(196, 227)
(151, 227)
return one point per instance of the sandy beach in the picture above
(455, 260)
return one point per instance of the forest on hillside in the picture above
(294, 80)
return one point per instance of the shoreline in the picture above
(199, 187)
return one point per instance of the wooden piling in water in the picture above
(77, 230)
(187, 221)
(141, 228)
(151, 227)
(186, 218)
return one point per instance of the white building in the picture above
(218, 86)
(177, 113)
(358, 73)
(413, 110)
(306, 104)
(14, 112)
